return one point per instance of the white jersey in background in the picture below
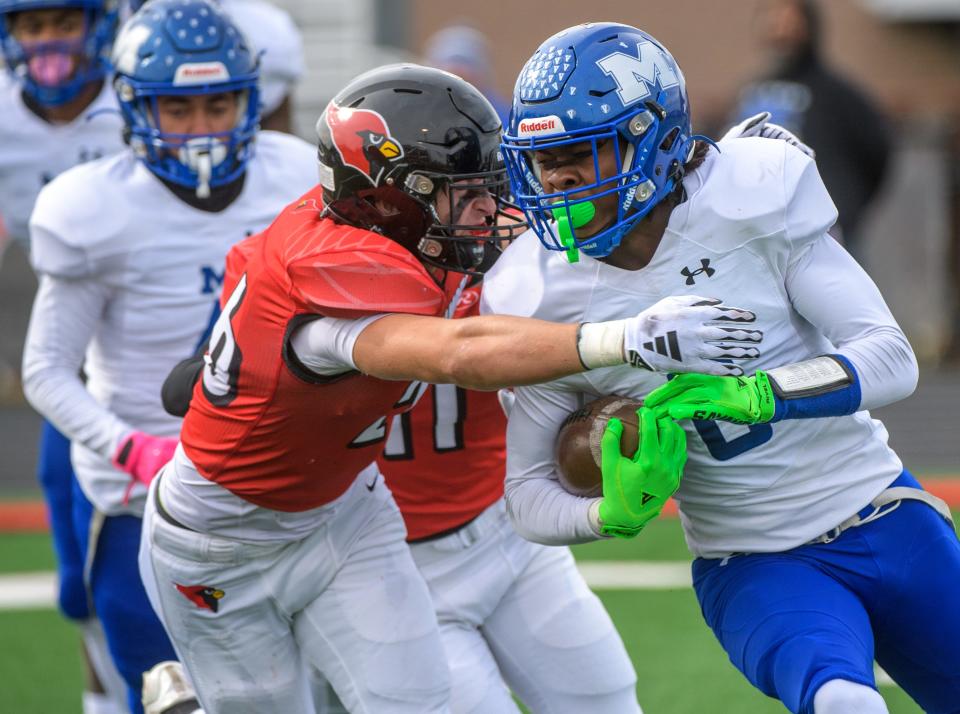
(34, 151)
(134, 273)
(274, 34)
(752, 232)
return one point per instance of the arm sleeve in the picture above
(540, 509)
(64, 318)
(325, 346)
(832, 292)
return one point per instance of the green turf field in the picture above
(681, 668)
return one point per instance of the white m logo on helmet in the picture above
(636, 75)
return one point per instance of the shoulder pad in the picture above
(76, 220)
(752, 189)
(286, 162)
(282, 63)
(530, 281)
(341, 271)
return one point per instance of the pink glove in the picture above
(142, 455)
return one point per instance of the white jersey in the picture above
(272, 32)
(752, 232)
(130, 283)
(33, 151)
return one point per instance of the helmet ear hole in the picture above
(669, 139)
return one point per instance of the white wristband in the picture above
(600, 344)
(593, 515)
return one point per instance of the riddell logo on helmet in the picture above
(538, 126)
(200, 73)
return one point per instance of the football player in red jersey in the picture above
(272, 505)
(502, 602)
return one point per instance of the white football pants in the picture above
(518, 614)
(347, 600)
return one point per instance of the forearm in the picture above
(542, 512)
(61, 325)
(540, 509)
(61, 398)
(484, 353)
(832, 292)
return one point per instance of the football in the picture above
(578, 442)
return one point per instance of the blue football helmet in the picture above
(46, 70)
(186, 47)
(589, 85)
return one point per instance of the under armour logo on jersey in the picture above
(636, 76)
(704, 268)
(666, 345)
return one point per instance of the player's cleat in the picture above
(167, 691)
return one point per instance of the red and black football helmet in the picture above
(395, 138)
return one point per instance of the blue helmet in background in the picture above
(186, 47)
(47, 69)
(588, 85)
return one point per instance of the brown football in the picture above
(578, 442)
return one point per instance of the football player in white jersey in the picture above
(54, 103)
(130, 252)
(274, 34)
(52, 97)
(816, 551)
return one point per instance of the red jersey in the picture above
(445, 460)
(260, 424)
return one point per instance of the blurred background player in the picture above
(271, 541)
(829, 112)
(465, 51)
(816, 551)
(130, 252)
(54, 113)
(272, 32)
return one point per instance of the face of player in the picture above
(783, 28)
(52, 39)
(469, 203)
(198, 114)
(570, 167)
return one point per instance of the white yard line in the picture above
(28, 591)
(20, 591)
(636, 574)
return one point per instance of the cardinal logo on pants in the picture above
(203, 596)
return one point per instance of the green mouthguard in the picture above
(580, 215)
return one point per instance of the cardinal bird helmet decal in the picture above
(363, 140)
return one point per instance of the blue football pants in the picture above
(56, 478)
(886, 590)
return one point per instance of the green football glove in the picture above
(740, 400)
(635, 489)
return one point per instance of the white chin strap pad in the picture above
(201, 154)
